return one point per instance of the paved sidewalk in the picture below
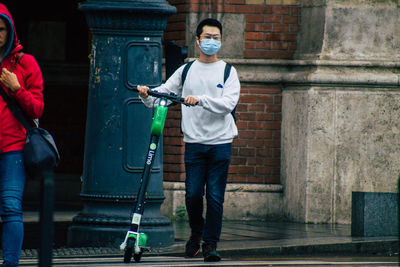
(244, 238)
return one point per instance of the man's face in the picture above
(210, 32)
(3, 33)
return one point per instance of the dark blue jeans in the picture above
(206, 167)
(12, 183)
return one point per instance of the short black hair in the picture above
(208, 22)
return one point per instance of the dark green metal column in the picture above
(126, 51)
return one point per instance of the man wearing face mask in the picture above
(209, 128)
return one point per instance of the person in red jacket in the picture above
(25, 84)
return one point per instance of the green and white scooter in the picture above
(135, 242)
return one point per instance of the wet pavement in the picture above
(238, 239)
(171, 261)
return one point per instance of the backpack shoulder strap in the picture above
(185, 71)
(227, 71)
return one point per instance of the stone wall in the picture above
(340, 128)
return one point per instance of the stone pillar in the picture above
(126, 51)
(341, 108)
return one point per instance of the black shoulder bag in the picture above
(40, 150)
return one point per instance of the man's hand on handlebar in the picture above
(191, 100)
(143, 91)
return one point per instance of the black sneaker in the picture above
(210, 252)
(192, 247)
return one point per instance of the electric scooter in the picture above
(135, 241)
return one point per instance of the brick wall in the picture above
(271, 28)
(173, 146)
(256, 150)
(273, 33)
(176, 26)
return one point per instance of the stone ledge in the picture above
(314, 62)
(271, 188)
(311, 62)
(242, 201)
(330, 72)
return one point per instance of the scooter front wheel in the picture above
(128, 251)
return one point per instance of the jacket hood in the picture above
(12, 43)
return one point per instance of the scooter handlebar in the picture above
(171, 96)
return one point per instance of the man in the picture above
(209, 128)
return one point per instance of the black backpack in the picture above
(227, 72)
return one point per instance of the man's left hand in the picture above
(191, 100)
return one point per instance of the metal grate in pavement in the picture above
(75, 252)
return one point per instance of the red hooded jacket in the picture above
(29, 96)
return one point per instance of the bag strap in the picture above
(12, 104)
(16, 110)
(16, 61)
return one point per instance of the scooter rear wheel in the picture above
(137, 256)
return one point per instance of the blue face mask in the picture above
(210, 46)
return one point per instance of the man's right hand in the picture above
(143, 91)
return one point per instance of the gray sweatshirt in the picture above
(210, 122)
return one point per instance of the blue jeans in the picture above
(12, 183)
(206, 166)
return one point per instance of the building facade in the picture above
(318, 107)
(318, 112)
